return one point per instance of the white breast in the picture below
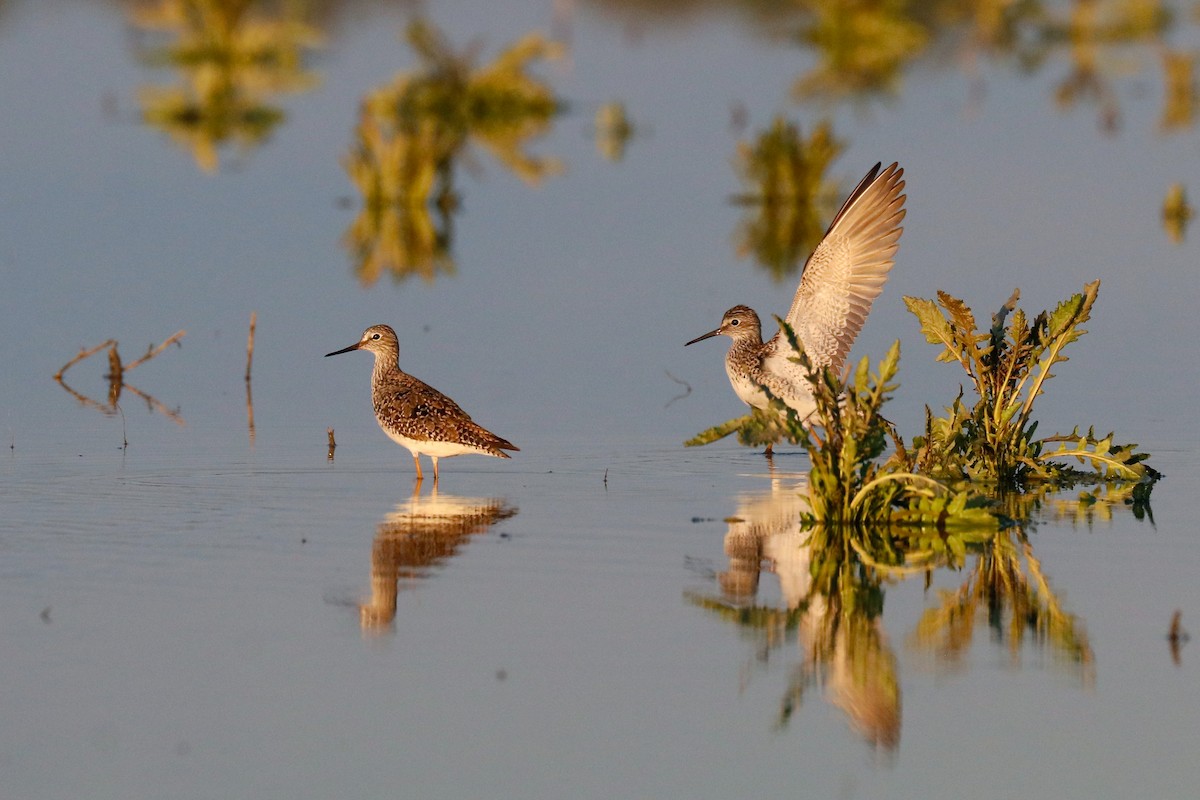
(796, 395)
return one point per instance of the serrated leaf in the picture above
(960, 314)
(934, 325)
(717, 432)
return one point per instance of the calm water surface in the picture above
(220, 610)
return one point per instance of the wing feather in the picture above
(845, 273)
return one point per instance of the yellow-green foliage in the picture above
(1008, 365)
(963, 474)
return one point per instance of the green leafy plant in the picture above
(846, 436)
(756, 429)
(975, 469)
(1008, 366)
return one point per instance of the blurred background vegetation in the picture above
(226, 65)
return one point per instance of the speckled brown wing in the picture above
(845, 274)
(414, 409)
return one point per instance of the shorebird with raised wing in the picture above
(416, 415)
(841, 279)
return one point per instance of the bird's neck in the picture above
(750, 342)
(385, 365)
(745, 354)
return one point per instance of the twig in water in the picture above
(152, 351)
(116, 379)
(250, 344)
(124, 429)
(83, 353)
(249, 361)
(332, 443)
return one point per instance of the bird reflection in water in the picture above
(828, 601)
(421, 534)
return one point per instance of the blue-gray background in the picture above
(195, 649)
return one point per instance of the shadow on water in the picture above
(421, 534)
(413, 131)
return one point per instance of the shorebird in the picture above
(414, 414)
(841, 279)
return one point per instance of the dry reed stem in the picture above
(250, 344)
(152, 351)
(84, 353)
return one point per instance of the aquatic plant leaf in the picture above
(960, 315)
(718, 431)
(935, 326)
(994, 440)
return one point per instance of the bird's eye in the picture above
(735, 322)
(375, 336)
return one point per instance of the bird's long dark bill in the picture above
(708, 335)
(343, 350)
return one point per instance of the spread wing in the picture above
(845, 273)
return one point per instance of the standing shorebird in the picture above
(840, 280)
(416, 415)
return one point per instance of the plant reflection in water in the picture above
(1007, 589)
(861, 49)
(613, 130)
(233, 57)
(412, 131)
(831, 603)
(1176, 213)
(421, 534)
(787, 197)
(831, 582)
